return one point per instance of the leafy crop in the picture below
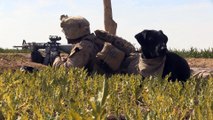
(195, 53)
(192, 52)
(52, 94)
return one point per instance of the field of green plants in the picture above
(195, 53)
(52, 94)
(192, 52)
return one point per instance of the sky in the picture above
(187, 23)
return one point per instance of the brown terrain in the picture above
(15, 60)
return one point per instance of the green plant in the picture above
(72, 94)
(195, 53)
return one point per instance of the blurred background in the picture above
(187, 23)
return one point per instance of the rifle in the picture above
(52, 49)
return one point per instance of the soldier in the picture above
(101, 53)
(92, 52)
(85, 44)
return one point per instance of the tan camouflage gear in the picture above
(116, 41)
(75, 27)
(152, 67)
(111, 56)
(131, 64)
(90, 50)
(145, 67)
(81, 54)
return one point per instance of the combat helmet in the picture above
(74, 27)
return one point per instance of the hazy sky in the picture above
(187, 23)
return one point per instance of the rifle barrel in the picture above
(17, 46)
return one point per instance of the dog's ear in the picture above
(165, 38)
(141, 37)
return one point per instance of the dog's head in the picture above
(153, 43)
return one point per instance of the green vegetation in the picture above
(195, 53)
(192, 53)
(52, 94)
(13, 51)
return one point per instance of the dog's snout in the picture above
(163, 47)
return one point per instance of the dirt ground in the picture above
(200, 62)
(16, 60)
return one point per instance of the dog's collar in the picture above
(152, 67)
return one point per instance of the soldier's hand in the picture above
(50, 57)
(53, 56)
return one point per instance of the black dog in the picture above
(153, 45)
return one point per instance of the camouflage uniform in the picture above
(85, 45)
(102, 52)
(82, 54)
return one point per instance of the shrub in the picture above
(72, 94)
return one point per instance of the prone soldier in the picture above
(102, 53)
(86, 45)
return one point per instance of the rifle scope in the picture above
(54, 38)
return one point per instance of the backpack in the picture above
(116, 41)
(111, 55)
(114, 50)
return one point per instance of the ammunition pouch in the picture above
(116, 41)
(112, 56)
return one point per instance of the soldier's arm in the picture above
(80, 55)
